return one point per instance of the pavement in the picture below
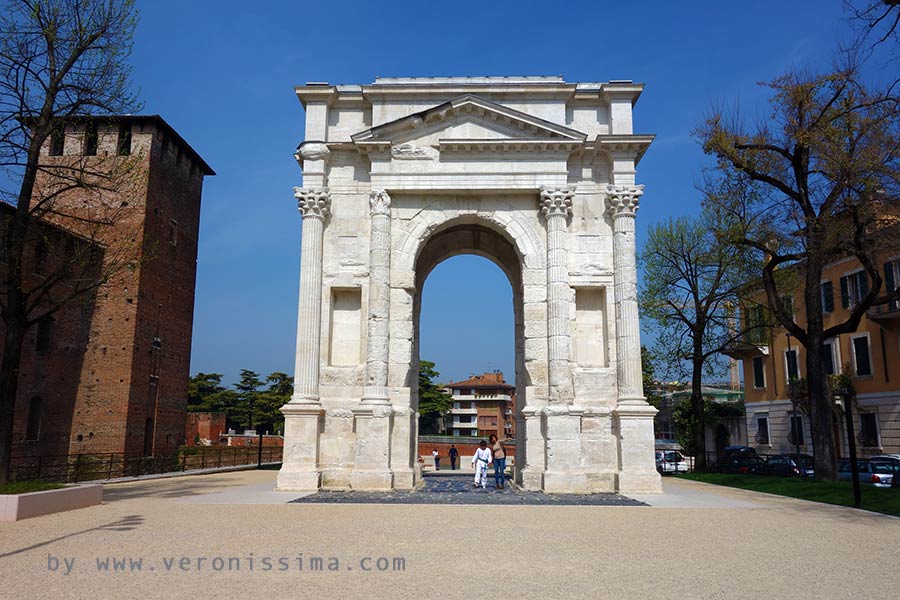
(228, 535)
(450, 487)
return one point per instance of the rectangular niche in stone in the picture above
(590, 327)
(345, 347)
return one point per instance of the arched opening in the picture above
(470, 237)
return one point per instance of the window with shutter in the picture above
(827, 292)
(869, 429)
(828, 356)
(892, 279)
(759, 374)
(796, 434)
(790, 358)
(845, 292)
(861, 356)
(853, 288)
(762, 430)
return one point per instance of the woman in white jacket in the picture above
(481, 460)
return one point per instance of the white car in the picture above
(670, 462)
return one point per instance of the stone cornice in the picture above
(556, 201)
(623, 200)
(530, 126)
(635, 145)
(379, 203)
(313, 202)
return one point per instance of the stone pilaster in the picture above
(375, 391)
(531, 427)
(374, 416)
(303, 414)
(564, 473)
(556, 206)
(633, 415)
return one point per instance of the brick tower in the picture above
(110, 373)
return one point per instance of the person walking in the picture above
(454, 457)
(437, 459)
(498, 453)
(481, 460)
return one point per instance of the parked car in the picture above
(879, 474)
(783, 465)
(894, 461)
(749, 464)
(671, 462)
(738, 452)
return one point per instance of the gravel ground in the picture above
(733, 544)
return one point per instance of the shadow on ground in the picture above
(126, 523)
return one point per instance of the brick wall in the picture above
(118, 373)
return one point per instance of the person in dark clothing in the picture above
(454, 457)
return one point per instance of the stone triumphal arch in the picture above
(534, 173)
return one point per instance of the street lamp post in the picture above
(845, 401)
(792, 391)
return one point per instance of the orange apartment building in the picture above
(870, 356)
(483, 405)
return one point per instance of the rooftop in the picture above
(494, 379)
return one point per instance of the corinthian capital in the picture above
(313, 202)
(379, 203)
(556, 201)
(623, 199)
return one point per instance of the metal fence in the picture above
(72, 468)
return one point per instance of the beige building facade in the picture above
(870, 357)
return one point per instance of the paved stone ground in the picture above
(695, 541)
(458, 489)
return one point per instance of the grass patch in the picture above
(24, 487)
(881, 500)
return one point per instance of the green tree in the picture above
(205, 393)
(433, 401)
(825, 169)
(247, 396)
(689, 292)
(651, 383)
(59, 59)
(268, 406)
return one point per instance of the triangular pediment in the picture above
(468, 118)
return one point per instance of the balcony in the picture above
(463, 411)
(886, 315)
(460, 425)
(477, 397)
(742, 349)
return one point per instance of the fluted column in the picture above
(375, 391)
(633, 415)
(303, 415)
(622, 204)
(314, 205)
(374, 415)
(556, 206)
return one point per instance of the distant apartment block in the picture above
(482, 405)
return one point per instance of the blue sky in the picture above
(222, 73)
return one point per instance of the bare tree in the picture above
(878, 19)
(824, 167)
(60, 60)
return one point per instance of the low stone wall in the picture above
(465, 447)
(15, 507)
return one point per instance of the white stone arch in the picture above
(513, 243)
(510, 222)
